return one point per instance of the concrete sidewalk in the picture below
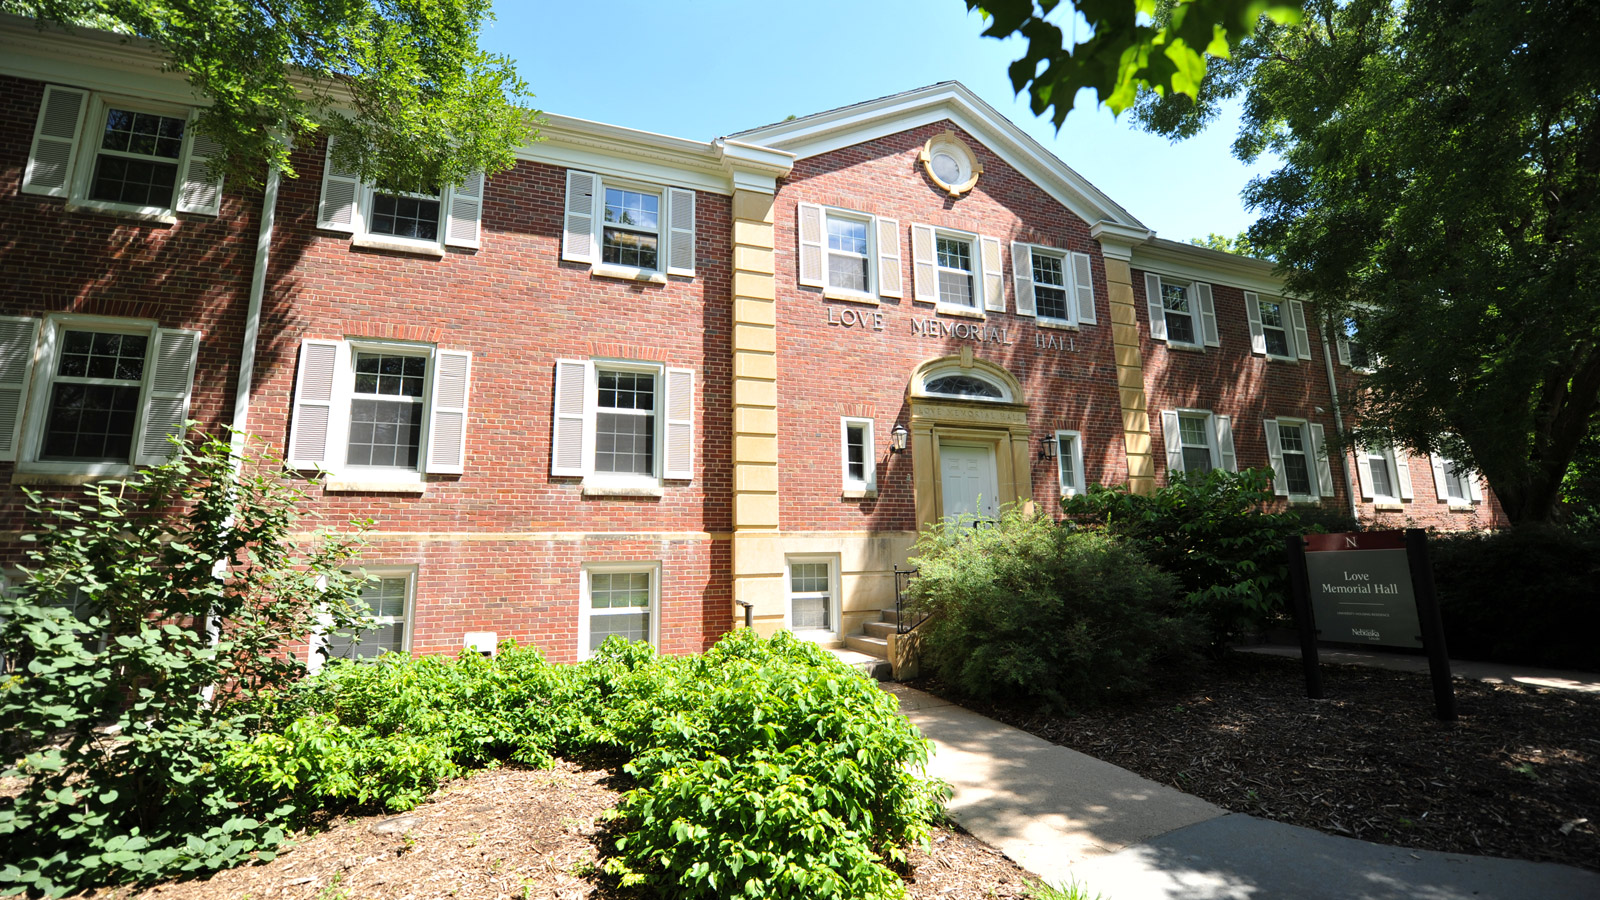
(1068, 817)
(1499, 673)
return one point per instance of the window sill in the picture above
(623, 273)
(1386, 506)
(1291, 360)
(1056, 323)
(962, 311)
(154, 218)
(396, 245)
(605, 488)
(859, 494)
(849, 297)
(66, 478)
(373, 487)
(1305, 501)
(1462, 506)
(1185, 348)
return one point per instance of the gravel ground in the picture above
(1517, 775)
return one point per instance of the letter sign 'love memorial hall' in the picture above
(1373, 588)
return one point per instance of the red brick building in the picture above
(637, 378)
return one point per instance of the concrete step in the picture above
(872, 646)
(889, 615)
(875, 667)
(879, 629)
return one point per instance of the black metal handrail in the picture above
(902, 580)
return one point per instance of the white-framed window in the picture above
(379, 412)
(857, 454)
(621, 598)
(92, 394)
(1181, 312)
(1069, 462)
(1197, 440)
(623, 426)
(122, 154)
(421, 219)
(1277, 327)
(1384, 473)
(1454, 483)
(627, 228)
(1352, 350)
(956, 271)
(1054, 285)
(966, 384)
(813, 595)
(387, 604)
(849, 254)
(1298, 454)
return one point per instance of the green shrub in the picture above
(1527, 595)
(1032, 610)
(1210, 531)
(118, 715)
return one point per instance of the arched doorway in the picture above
(969, 439)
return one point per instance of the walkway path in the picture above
(1499, 673)
(1065, 816)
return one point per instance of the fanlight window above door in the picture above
(964, 385)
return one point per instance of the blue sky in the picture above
(709, 68)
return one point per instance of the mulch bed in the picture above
(517, 834)
(1517, 775)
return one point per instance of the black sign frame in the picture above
(1415, 543)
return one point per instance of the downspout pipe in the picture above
(1338, 422)
(252, 322)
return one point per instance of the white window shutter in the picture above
(310, 433)
(924, 270)
(1344, 352)
(1437, 464)
(889, 258)
(464, 222)
(1022, 277)
(994, 281)
(680, 232)
(1174, 441)
(18, 336)
(1258, 336)
(1158, 312)
(1208, 315)
(55, 142)
(1083, 286)
(812, 271)
(1280, 480)
(447, 422)
(571, 436)
(1302, 335)
(1224, 427)
(339, 208)
(577, 230)
(1364, 472)
(1474, 489)
(166, 395)
(1402, 472)
(679, 454)
(1324, 464)
(200, 189)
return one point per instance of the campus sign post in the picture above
(1369, 587)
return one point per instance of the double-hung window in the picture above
(1054, 285)
(1352, 350)
(1050, 287)
(99, 396)
(620, 599)
(628, 229)
(623, 426)
(121, 155)
(956, 271)
(1197, 441)
(1181, 312)
(857, 455)
(382, 621)
(1384, 473)
(418, 219)
(849, 254)
(1300, 465)
(812, 594)
(1277, 327)
(379, 415)
(1454, 483)
(1383, 483)
(1069, 462)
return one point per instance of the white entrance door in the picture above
(968, 481)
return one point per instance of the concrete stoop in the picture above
(868, 650)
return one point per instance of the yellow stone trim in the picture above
(1130, 376)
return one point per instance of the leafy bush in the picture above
(185, 586)
(1210, 531)
(1528, 595)
(1029, 609)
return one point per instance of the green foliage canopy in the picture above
(403, 83)
(1440, 186)
(1132, 44)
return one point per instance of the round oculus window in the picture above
(947, 167)
(950, 164)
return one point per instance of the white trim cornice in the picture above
(1189, 261)
(92, 59)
